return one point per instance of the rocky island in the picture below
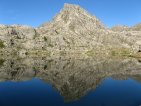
(72, 31)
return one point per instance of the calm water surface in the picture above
(70, 82)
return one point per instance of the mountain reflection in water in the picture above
(41, 82)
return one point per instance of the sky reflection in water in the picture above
(36, 93)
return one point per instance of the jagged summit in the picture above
(74, 14)
(76, 8)
(70, 6)
(73, 30)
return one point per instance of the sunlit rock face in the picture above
(72, 77)
(16, 35)
(73, 30)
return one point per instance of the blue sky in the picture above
(35, 12)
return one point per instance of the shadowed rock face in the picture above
(72, 30)
(72, 77)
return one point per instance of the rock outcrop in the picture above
(73, 30)
(72, 77)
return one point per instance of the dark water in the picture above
(35, 93)
(70, 82)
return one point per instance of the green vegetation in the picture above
(66, 41)
(1, 62)
(114, 53)
(45, 39)
(18, 47)
(125, 52)
(50, 61)
(45, 67)
(130, 56)
(65, 18)
(18, 59)
(1, 44)
(89, 53)
(119, 52)
(134, 55)
(56, 32)
(12, 42)
(50, 45)
(64, 38)
(19, 68)
(35, 69)
(18, 37)
(62, 53)
(26, 53)
(82, 46)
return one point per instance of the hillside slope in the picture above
(73, 30)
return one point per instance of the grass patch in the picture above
(113, 53)
(119, 51)
(89, 52)
(1, 44)
(56, 32)
(130, 56)
(18, 59)
(125, 52)
(66, 40)
(45, 39)
(18, 47)
(18, 37)
(1, 62)
(50, 45)
(26, 53)
(50, 61)
(45, 67)
(62, 53)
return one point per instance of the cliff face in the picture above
(72, 77)
(72, 30)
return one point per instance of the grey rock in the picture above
(73, 30)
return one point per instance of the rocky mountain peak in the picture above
(74, 16)
(75, 10)
(71, 6)
(73, 30)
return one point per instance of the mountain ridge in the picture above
(72, 31)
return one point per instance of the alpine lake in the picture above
(70, 81)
